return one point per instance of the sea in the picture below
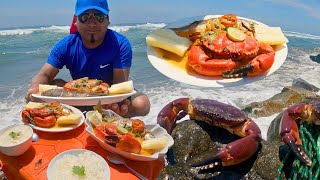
(24, 50)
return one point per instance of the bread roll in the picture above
(168, 40)
(69, 119)
(32, 105)
(155, 143)
(46, 87)
(121, 88)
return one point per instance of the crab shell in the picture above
(225, 115)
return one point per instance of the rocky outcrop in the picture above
(195, 141)
(315, 58)
(298, 92)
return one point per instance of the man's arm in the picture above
(120, 75)
(44, 76)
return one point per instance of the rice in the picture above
(95, 167)
(20, 134)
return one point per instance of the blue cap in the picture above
(84, 5)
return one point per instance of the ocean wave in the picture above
(148, 26)
(26, 31)
(65, 29)
(301, 35)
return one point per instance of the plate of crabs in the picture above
(52, 117)
(86, 92)
(220, 55)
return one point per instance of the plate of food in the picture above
(52, 117)
(85, 92)
(129, 138)
(217, 50)
(78, 164)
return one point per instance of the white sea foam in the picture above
(148, 26)
(301, 35)
(65, 29)
(32, 30)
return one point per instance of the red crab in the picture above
(125, 142)
(86, 85)
(289, 132)
(44, 116)
(217, 114)
(215, 55)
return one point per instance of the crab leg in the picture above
(236, 151)
(257, 66)
(289, 131)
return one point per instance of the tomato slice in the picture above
(228, 20)
(138, 125)
(129, 144)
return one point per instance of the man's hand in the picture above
(121, 108)
(30, 91)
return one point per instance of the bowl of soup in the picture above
(15, 140)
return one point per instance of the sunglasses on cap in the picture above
(99, 16)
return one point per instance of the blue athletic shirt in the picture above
(98, 63)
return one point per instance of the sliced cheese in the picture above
(69, 119)
(270, 35)
(46, 87)
(121, 88)
(168, 40)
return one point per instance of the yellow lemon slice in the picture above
(235, 34)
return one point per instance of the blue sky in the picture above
(291, 15)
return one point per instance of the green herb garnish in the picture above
(129, 128)
(80, 171)
(14, 135)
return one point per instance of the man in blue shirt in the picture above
(95, 52)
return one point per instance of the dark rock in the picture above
(305, 85)
(195, 141)
(289, 95)
(315, 58)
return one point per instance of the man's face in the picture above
(92, 26)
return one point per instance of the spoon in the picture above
(35, 136)
(116, 159)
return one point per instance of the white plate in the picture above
(86, 101)
(178, 74)
(62, 129)
(156, 130)
(75, 152)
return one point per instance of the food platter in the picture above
(155, 129)
(86, 101)
(181, 75)
(76, 152)
(62, 128)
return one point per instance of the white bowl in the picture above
(155, 129)
(18, 147)
(76, 152)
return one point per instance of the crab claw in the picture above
(233, 153)
(289, 131)
(259, 65)
(210, 163)
(172, 112)
(128, 143)
(300, 153)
